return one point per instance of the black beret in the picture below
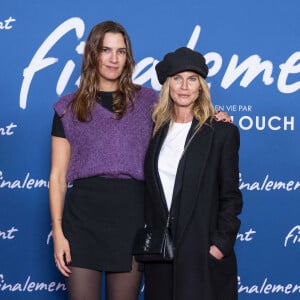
(183, 59)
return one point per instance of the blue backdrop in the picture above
(253, 51)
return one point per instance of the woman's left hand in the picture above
(222, 116)
(215, 252)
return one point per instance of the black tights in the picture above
(85, 284)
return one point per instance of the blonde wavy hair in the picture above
(164, 112)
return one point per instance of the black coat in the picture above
(206, 202)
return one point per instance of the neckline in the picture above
(182, 124)
(104, 100)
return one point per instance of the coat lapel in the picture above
(190, 172)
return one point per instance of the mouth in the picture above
(112, 68)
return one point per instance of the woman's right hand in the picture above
(216, 252)
(62, 254)
(61, 151)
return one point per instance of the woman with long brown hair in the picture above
(99, 137)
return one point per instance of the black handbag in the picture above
(153, 245)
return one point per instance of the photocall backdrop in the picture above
(252, 49)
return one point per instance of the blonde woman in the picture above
(191, 173)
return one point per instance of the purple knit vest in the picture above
(105, 146)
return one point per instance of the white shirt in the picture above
(170, 155)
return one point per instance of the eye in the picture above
(193, 78)
(122, 51)
(176, 78)
(105, 50)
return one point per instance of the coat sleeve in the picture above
(230, 197)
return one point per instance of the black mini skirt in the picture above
(100, 219)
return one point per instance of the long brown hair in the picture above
(84, 98)
(164, 110)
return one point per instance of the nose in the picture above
(114, 56)
(184, 84)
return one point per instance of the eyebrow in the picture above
(122, 48)
(194, 75)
